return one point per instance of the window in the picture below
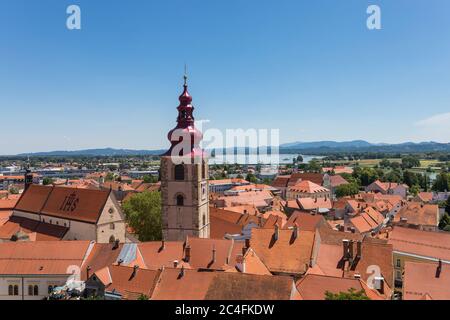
(180, 200)
(203, 170)
(111, 226)
(398, 275)
(16, 290)
(50, 289)
(112, 239)
(10, 290)
(179, 172)
(399, 263)
(33, 290)
(204, 220)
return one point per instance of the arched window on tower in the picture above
(204, 220)
(179, 172)
(180, 200)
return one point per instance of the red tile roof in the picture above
(286, 254)
(422, 243)
(128, 281)
(314, 287)
(84, 205)
(41, 258)
(420, 281)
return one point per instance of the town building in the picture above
(79, 214)
(184, 178)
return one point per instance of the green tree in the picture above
(445, 221)
(347, 190)
(351, 294)
(109, 176)
(150, 179)
(447, 205)
(251, 178)
(414, 190)
(143, 297)
(442, 182)
(410, 162)
(47, 181)
(143, 214)
(14, 190)
(313, 166)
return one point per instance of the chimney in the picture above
(163, 245)
(296, 231)
(359, 249)
(345, 247)
(88, 271)
(175, 263)
(187, 253)
(135, 268)
(350, 250)
(116, 244)
(214, 253)
(181, 272)
(119, 262)
(439, 269)
(260, 222)
(379, 284)
(277, 232)
(247, 243)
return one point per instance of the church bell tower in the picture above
(184, 178)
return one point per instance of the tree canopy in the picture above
(351, 294)
(143, 214)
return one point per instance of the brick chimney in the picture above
(359, 249)
(181, 275)
(277, 232)
(350, 250)
(296, 231)
(439, 269)
(345, 247)
(213, 254)
(187, 253)
(88, 271)
(135, 268)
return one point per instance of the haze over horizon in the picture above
(311, 69)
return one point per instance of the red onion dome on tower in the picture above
(185, 138)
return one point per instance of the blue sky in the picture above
(309, 68)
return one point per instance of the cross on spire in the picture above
(185, 75)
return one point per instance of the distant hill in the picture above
(323, 147)
(313, 148)
(327, 144)
(106, 152)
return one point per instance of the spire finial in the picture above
(185, 75)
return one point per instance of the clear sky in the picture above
(309, 68)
